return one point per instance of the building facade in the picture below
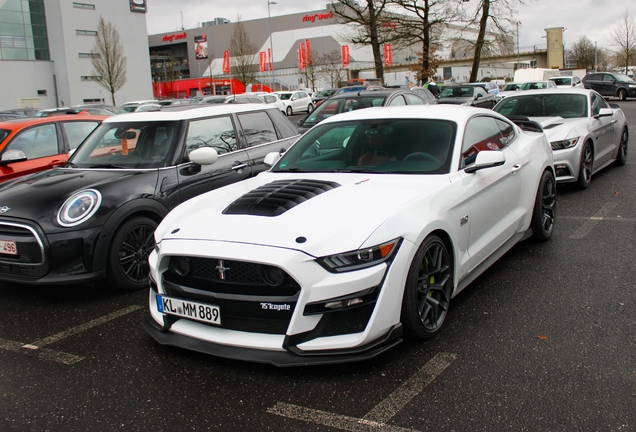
(45, 51)
(179, 69)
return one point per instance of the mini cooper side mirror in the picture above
(204, 156)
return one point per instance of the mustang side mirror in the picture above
(604, 112)
(486, 159)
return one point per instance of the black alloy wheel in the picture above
(428, 290)
(621, 157)
(132, 243)
(585, 170)
(544, 211)
(622, 94)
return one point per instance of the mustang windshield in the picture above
(399, 146)
(127, 145)
(564, 105)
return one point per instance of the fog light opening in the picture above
(273, 276)
(180, 265)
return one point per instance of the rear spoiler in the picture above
(526, 124)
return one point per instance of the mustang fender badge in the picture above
(4, 209)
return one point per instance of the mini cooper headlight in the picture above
(361, 258)
(79, 208)
(564, 144)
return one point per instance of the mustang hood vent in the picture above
(275, 198)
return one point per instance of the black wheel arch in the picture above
(139, 207)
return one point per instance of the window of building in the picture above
(86, 32)
(90, 78)
(88, 55)
(84, 6)
(23, 33)
(92, 100)
(41, 92)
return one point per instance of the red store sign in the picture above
(312, 18)
(170, 38)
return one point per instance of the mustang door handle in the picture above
(239, 166)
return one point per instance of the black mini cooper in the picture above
(94, 218)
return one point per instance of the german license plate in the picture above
(188, 309)
(8, 247)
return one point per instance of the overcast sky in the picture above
(591, 18)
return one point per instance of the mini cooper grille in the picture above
(274, 199)
(347, 321)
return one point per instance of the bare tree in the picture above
(331, 69)
(311, 71)
(108, 59)
(424, 25)
(582, 54)
(243, 55)
(365, 18)
(624, 36)
(499, 12)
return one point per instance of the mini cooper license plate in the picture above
(8, 247)
(188, 309)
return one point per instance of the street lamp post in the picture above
(271, 46)
(517, 44)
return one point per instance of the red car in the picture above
(36, 144)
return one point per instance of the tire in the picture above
(310, 108)
(428, 290)
(128, 266)
(544, 211)
(289, 111)
(622, 94)
(621, 157)
(586, 166)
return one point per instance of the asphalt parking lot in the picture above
(544, 340)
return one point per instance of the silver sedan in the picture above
(586, 133)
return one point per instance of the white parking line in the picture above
(593, 221)
(376, 419)
(36, 348)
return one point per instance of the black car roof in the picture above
(366, 93)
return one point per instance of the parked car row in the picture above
(220, 209)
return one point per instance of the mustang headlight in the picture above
(79, 208)
(359, 259)
(564, 144)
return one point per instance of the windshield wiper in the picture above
(106, 166)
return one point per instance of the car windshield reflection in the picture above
(552, 105)
(127, 145)
(400, 146)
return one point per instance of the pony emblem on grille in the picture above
(222, 269)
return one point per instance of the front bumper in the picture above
(567, 163)
(305, 332)
(48, 259)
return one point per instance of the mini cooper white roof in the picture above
(188, 112)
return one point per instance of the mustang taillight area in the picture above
(361, 258)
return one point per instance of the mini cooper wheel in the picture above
(621, 158)
(622, 94)
(128, 266)
(544, 211)
(428, 290)
(585, 168)
(289, 111)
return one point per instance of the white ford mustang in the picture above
(587, 134)
(359, 235)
